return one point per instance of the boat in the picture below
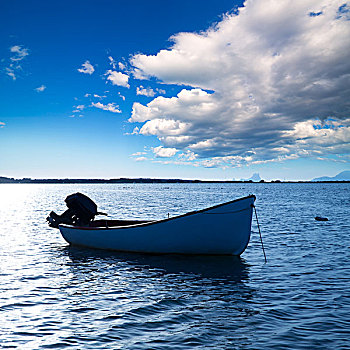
(222, 229)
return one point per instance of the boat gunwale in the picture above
(152, 222)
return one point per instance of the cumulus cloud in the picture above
(259, 79)
(188, 155)
(149, 92)
(163, 152)
(40, 88)
(315, 136)
(2, 125)
(116, 64)
(87, 68)
(110, 107)
(118, 78)
(121, 66)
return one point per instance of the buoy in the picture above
(319, 218)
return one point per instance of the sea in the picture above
(53, 296)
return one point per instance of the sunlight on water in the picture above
(56, 296)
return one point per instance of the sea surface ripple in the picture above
(55, 296)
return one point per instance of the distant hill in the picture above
(255, 177)
(6, 179)
(343, 176)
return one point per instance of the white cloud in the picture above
(314, 136)
(140, 159)
(149, 92)
(162, 152)
(135, 131)
(139, 154)
(19, 53)
(188, 155)
(78, 108)
(112, 62)
(87, 68)
(121, 66)
(118, 78)
(110, 107)
(40, 88)
(269, 68)
(116, 64)
(11, 73)
(100, 97)
(2, 125)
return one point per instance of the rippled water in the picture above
(55, 296)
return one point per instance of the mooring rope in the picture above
(262, 244)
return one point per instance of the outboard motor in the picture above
(81, 210)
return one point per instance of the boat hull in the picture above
(221, 230)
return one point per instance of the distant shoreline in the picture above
(7, 180)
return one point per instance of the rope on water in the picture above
(262, 244)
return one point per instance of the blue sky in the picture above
(186, 89)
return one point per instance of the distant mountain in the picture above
(343, 176)
(255, 177)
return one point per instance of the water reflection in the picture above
(228, 268)
(144, 299)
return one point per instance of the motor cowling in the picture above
(81, 210)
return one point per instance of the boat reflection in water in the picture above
(230, 268)
(133, 297)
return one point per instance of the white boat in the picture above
(223, 229)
